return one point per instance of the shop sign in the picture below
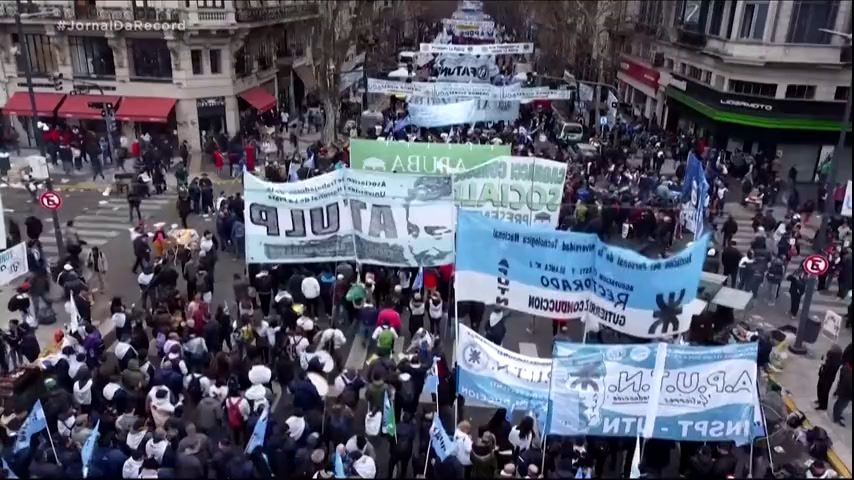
(210, 102)
(732, 102)
(642, 74)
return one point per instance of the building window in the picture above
(753, 88)
(683, 68)
(91, 57)
(719, 82)
(695, 73)
(668, 63)
(707, 77)
(803, 92)
(208, 3)
(243, 62)
(196, 58)
(216, 61)
(753, 20)
(809, 17)
(149, 59)
(717, 18)
(40, 53)
(841, 93)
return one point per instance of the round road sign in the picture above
(816, 265)
(50, 200)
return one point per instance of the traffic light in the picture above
(106, 108)
(56, 78)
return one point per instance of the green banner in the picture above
(421, 158)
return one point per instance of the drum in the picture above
(319, 383)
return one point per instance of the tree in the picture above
(338, 30)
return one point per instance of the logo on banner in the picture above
(668, 313)
(374, 163)
(473, 357)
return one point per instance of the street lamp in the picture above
(829, 209)
(28, 74)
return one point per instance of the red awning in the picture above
(259, 98)
(145, 109)
(20, 105)
(77, 106)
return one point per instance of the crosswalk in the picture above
(108, 221)
(360, 353)
(821, 302)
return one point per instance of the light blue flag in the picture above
(588, 473)
(431, 383)
(259, 433)
(89, 448)
(579, 473)
(509, 415)
(442, 444)
(338, 465)
(418, 283)
(6, 467)
(35, 423)
(389, 418)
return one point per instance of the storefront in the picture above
(639, 87)
(152, 115)
(19, 105)
(211, 112)
(800, 132)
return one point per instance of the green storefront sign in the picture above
(421, 158)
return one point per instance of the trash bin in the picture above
(812, 328)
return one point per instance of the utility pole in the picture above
(25, 56)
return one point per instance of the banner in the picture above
(484, 49)
(524, 190)
(439, 111)
(566, 275)
(13, 263)
(480, 91)
(490, 374)
(695, 194)
(465, 68)
(378, 218)
(421, 158)
(707, 393)
(442, 115)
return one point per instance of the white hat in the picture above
(68, 267)
(712, 252)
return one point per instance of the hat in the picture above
(712, 252)
(68, 267)
(25, 286)
(318, 455)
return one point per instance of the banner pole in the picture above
(750, 468)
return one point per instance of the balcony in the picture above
(103, 14)
(210, 17)
(45, 9)
(276, 13)
(736, 51)
(151, 14)
(691, 38)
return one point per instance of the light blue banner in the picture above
(374, 217)
(695, 196)
(565, 275)
(707, 393)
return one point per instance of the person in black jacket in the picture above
(712, 264)
(827, 375)
(796, 291)
(730, 259)
(729, 229)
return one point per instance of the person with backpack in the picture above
(384, 336)
(237, 411)
(774, 278)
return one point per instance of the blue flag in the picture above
(89, 448)
(338, 465)
(389, 418)
(11, 474)
(579, 473)
(509, 415)
(35, 423)
(259, 433)
(442, 444)
(418, 283)
(431, 383)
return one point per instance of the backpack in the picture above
(235, 418)
(406, 393)
(386, 339)
(194, 388)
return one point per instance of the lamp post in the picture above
(821, 240)
(28, 74)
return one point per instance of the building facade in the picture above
(749, 75)
(176, 66)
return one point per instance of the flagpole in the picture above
(50, 438)
(548, 412)
(456, 327)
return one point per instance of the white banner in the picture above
(471, 26)
(444, 111)
(487, 49)
(846, 202)
(464, 68)
(480, 91)
(469, 22)
(13, 264)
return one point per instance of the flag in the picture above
(588, 473)
(338, 465)
(418, 283)
(509, 415)
(431, 383)
(579, 473)
(259, 433)
(389, 422)
(89, 448)
(759, 429)
(10, 473)
(74, 314)
(35, 423)
(635, 471)
(442, 444)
